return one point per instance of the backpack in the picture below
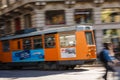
(101, 57)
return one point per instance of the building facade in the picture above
(103, 15)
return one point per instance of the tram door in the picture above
(51, 48)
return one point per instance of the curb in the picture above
(94, 65)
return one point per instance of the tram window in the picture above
(49, 41)
(6, 46)
(27, 43)
(67, 39)
(18, 44)
(89, 38)
(37, 43)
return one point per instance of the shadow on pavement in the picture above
(34, 73)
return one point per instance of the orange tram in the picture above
(55, 48)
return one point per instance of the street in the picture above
(82, 73)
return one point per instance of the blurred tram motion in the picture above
(55, 48)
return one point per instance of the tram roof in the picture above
(47, 31)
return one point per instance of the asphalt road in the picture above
(82, 73)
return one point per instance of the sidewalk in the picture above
(93, 64)
(97, 64)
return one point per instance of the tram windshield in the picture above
(89, 38)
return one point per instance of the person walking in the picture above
(108, 59)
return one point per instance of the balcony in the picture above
(20, 3)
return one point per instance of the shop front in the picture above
(112, 35)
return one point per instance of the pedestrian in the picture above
(108, 58)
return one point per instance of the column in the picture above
(69, 16)
(97, 15)
(38, 18)
(99, 40)
(13, 26)
(22, 22)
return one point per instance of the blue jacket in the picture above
(107, 55)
